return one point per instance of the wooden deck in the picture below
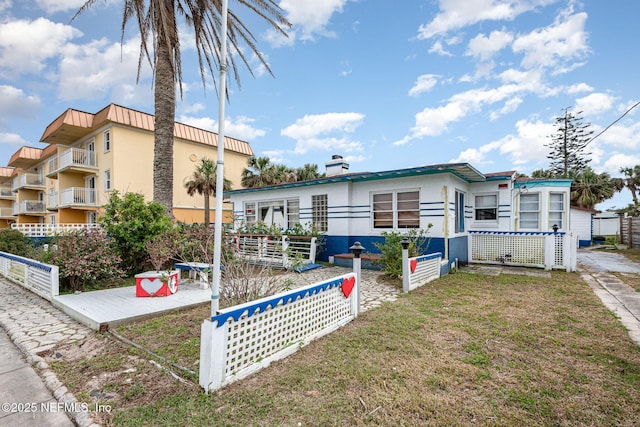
(101, 310)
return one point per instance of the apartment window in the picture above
(92, 217)
(529, 211)
(106, 138)
(107, 180)
(250, 213)
(459, 207)
(556, 210)
(52, 219)
(486, 208)
(399, 209)
(319, 212)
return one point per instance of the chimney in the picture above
(336, 166)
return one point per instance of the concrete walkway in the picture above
(597, 267)
(35, 326)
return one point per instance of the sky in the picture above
(387, 85)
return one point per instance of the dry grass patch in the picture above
(466, 349)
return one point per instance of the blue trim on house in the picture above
(583, 243)
(545, 182)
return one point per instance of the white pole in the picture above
(217, 238)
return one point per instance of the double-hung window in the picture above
(106, 137)
(398, 209)
(556, 210)
(250, 212)
(529, 211)
(486, 208)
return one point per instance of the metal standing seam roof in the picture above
(25, 157)
(462, 170)
(73, 125)
(6, 174)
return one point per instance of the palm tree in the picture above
(158, 22)
(631, 180)
(307, 172)
(589, 188)
(258, 173)
(203, 182)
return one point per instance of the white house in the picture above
(456, 198)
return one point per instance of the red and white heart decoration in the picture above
(347, 285)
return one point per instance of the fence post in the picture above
(312, 250)
(549, 250)
(405, 264)
(55, 281)
(357, 249)
(285, 255)
(212, 355)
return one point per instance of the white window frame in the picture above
(477, 209)
(320, 212)
(561, 212)
(107, 180)
(528, 211)
(250, 213)
(395, 211)
(106, 140)
(460, 225)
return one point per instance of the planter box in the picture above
(150, 284)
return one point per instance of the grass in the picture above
(463, 350)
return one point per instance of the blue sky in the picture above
(417, 83)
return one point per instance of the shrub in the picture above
(163, 248)
(130, 223)
(16, 243)
(83, 257)
(391, 249)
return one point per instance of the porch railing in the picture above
(282, 251)
(77, 157)
(28, 207)
(548, 250)
(79, 196)
(27, 180)
(6, 212)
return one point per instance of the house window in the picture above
(107, 180)
(250, 213)
(52, 219)
(293, 212)
(279, 213)
(106, 137)
(486, 208)
(92, 217)
(529, 211)
(399, 209)
(319, 210)
(459, 206)
(556, 210)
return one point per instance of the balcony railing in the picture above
(78, 196)
(52, 165)
(6, 193)
(29, 207)
(77, 157)
(6, 212)
(27, 180)
(40, 230)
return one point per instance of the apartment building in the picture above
(7, 197)
(89, 155)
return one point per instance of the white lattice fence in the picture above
(46, 230)
(40, 278)
(529, 249)
(243, 339)
(418, 271)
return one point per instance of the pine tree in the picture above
(568, 145)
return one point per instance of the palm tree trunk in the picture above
(207, 208)
(165, 107)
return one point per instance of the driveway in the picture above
(596, 267)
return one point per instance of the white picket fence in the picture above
(280, 251)
(548, 250)
(417, 271)
(243, 339)
(43, 279)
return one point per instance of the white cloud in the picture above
(438, 49)
(325, 132)
(555, 46)
(613, 164)
(309, 19)
(12, 140)
(594, 104)
(621, 136)
(240, 127)
(484, 48)
(456, 14)
(476, 156)
(16, 104)
(579, 88)
(424, 83)
(29, 55)
(5, 4)
(102, 68)
(52, 6)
